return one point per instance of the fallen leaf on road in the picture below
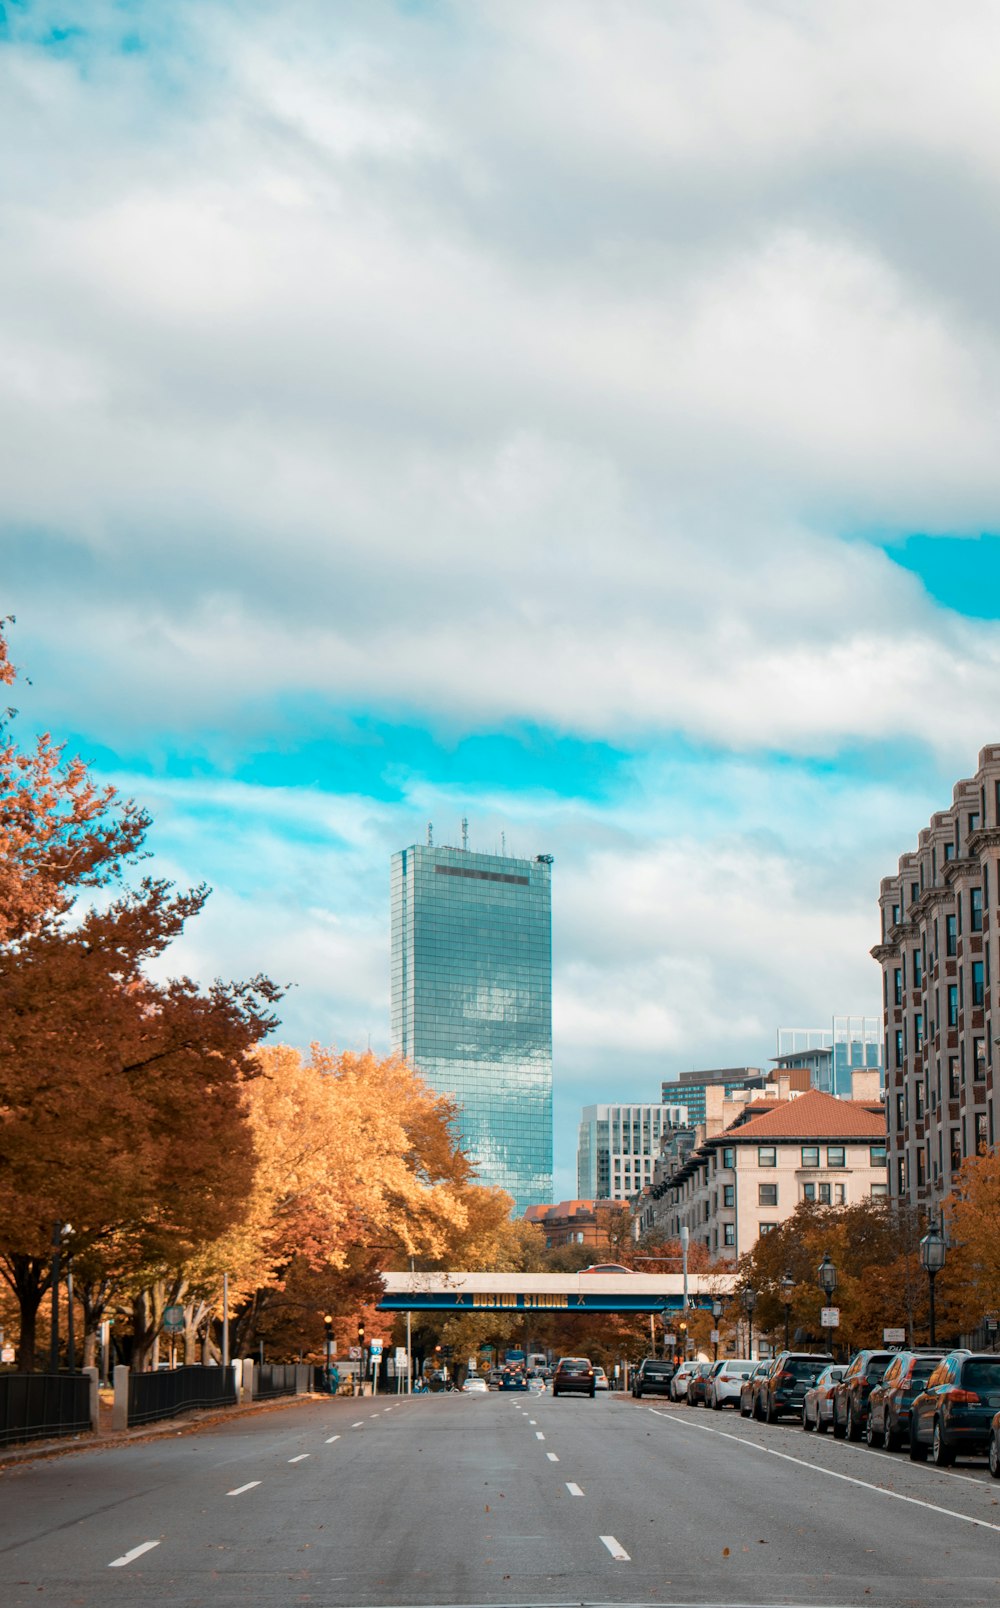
(725, 1552)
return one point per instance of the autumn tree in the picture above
(973, 1217)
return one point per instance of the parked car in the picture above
(748, 1389)
(954, 1413)
(573, 1376)
(850, 1399)
(817, 1403)
(600, 1379)
(682, 1378)
(891, 1399)
(993, 1452)
(698, 1384)
(653, 1376)
(726, 1382)
(782, 1389)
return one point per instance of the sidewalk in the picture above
(107, 1438)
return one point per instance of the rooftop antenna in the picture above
(465, 831)
(503, 845)
(430, 834)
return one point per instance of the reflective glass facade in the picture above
(471, 1002)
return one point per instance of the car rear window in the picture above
(805, 1367)
(574, 1364)
(658, 1368)
(877, 1366)
(922, 1370)
(981, 1374)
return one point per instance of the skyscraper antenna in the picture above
(430, 834)
(503, 845)
(465, 831)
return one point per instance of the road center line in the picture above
(616, 1549)
(849, 1479)
(574, 1490)
(130, 1557)
(552, 1457)
(532, 1420)
(359, 1425)
(539, 1435)
(331, 1438)
(300, 1459)
(241, 1488)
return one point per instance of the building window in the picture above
(879, 1191)
(836, 1156)
(729, 1194)
(952, 1005)
(973, 821)
(900, 1113)
(954, 1081)
(895, 915)
(767, 1194)
(897, 985)
(729, 1233)
(976, 909)
(839, 1194)
(950, 936)
(899, 1046)
(918, 1032)
(767, 1228)
(824, 1194)
(918, 970)
(809, 1192)
(729, 1156)
(956, 1149)
(982, 1139)
(767, 1156)
(877, 1155)
(949, 852)
(810, 1155)
(977, 983)
(979, 1060)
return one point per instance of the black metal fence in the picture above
(274, 1379)
(170, 1391)
(42, 1406)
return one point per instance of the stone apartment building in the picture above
(756, 1158)
(939, 946)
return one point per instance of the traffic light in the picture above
(328, 1325)
(361, 1334)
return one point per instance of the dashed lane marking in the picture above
(539, 1435)
(616, 1549)
(574, 1490)
(130, 1557)
(552, 1457)
(831, 1473)
(300, 1459)
(359, 1425)
(331, 1438)
(241, 1488)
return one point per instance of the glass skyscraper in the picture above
(471, 1002)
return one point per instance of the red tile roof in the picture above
(815, 1115)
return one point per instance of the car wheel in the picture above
(852, 1429)
(890, 1436)
(995, 1455)
(821, 1425)
(637, 1394)
(744, 1411)
(716, 1404)
(870, 1432)
(805, 1419)
(839, 1429)
(770, 1417)
(593, 1392)
(942, 1455)
(918, 1451)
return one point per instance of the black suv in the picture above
(652, 1377)
(890, 1401)
(850, 1398)
(573, 1374)
(783, 1388)
(955, 1410)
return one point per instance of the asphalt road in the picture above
(495, 1500)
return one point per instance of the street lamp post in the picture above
(749, 1302)
(826, 1278)
(60, 1234)
(716, 1315)
(787, 1290)
(933, 1251)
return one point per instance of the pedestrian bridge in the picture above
(552, 1292)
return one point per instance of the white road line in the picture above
(616, 1549)
(300, 1459)
(373, 1415)
(849, 1479)
(241, 1488)
(574, 1490)
(532, 1420)
(331, 1438)
(130, 1557)
(359, 1425)
(552, 1457)
(539, 1435)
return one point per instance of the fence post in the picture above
(93, 1381)
(247, 1379)
(236, 1369)
(119, 1415)
(302, 1372)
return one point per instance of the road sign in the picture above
(173, 1319)
(671, 1339)
(829, 1317)
(714, 1337)
(7, 1354)
(354, 1352)
(894, 1337)
(401, 1358)
(375, 1347)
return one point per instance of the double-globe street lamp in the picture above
(933, 1253)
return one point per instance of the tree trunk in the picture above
(29, 1278)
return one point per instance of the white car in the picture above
(727, 1382)
(600, 1379)
(474, 1386)
(682, 1378)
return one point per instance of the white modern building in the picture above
(618, 1145)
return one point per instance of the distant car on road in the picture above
(573, 1376)
(817, 1403)
(600, 1379)
(509, 1380)
(652, 1377)
(890, 1401)
(607, 1267)
(475, 1386)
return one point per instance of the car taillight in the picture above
(962, 1398)
(789, 1378)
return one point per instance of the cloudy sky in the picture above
(579, 417)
